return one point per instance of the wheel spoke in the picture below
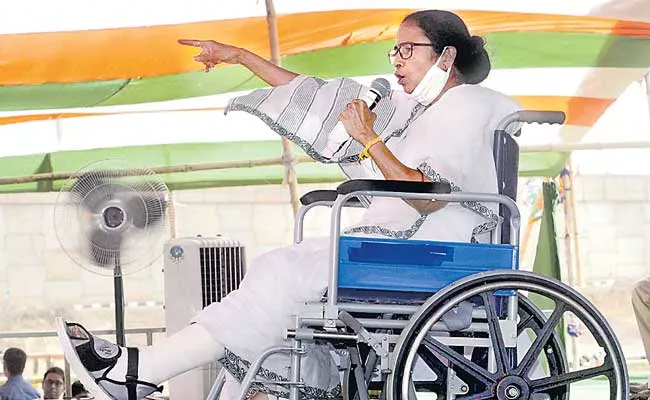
(496, 336)
(552, 382)
(525, 323)
(478, 372)
(543, 335)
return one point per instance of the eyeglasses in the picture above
(405, 50)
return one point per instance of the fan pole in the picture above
(119, 303)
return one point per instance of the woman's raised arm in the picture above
(213, 53)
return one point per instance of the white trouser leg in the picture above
(189, 348)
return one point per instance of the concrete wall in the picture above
(613, 221)
(613, 214)
(38, 280)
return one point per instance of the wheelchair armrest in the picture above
(393, 186)
(318, 195)
(324, 195)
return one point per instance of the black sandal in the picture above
(93, 359)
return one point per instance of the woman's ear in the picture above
(448, 57)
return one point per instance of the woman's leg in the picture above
(245, 323)
(173, 356)
(111, 372)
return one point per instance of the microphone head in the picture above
(381, 86)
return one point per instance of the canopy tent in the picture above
(115, 84)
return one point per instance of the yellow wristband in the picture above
(364, 153)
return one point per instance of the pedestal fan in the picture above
(111, 219)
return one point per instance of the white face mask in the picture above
(432, 83)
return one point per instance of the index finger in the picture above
(360, 103)
(191, 42)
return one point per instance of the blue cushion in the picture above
(400, 265)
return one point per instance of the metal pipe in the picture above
(68, 384)
(256, 365)
(395, 324)
(302, 212)
(119, 303)
(217, 386)
(377, 308)
(567, 147)
(294, 376)
(300, 219)
(335, 232)
(291, 333)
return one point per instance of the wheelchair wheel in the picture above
(539, 371)
(530, 318)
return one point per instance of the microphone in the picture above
(379, 88)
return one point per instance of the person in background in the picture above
(641, 306)
(16, 387)
(79, 391)
(53, 383)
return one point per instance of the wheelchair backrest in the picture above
(506, 159)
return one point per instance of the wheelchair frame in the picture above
(322, 321)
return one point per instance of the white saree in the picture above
(449, 141)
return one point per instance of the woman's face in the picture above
(410, 70)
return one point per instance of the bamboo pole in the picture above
(571, 249)
(646, 78)
(288, 155)
(572, 226)
(525, 237)
(568, 234)
(56, 176)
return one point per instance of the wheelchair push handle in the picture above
(542, 117)
(532, 117)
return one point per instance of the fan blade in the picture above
(93, 194)
(104, 246)
(146, 209)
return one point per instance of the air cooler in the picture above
(198, 272)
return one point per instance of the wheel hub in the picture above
(512, 388)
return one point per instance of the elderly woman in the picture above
(440, 128)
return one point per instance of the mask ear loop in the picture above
(442, 53)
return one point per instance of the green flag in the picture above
(547, 261)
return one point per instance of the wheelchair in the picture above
(412, 319)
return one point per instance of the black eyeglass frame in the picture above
(408, 46)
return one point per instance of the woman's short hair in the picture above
(444, 28)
